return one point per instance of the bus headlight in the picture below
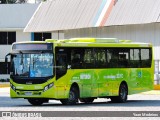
(13, 87)
(48, 87)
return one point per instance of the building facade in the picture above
(14, 18)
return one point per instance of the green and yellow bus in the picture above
(80, 69)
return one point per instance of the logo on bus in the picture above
(113, 76)
(85, 76)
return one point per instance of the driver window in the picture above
(76, 59)
(61, 63)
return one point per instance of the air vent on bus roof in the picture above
(106, 40)
(90, 40)
(82, 40)
(97, 40)
(51, 40)
(126, 41)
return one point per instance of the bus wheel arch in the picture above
(122, 94)
(75, 85)
(72, 96)
(125, 83)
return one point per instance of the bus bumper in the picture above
(47, 90)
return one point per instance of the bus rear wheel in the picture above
(87, 100)
(72, 99)
(122, 97)
(37, 102)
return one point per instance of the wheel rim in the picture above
(123, 93)
(71, 96)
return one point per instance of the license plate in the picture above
(28, 93)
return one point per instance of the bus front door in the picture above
(61, 65)
(61, 70)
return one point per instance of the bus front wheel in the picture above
(122, 97)
(72, 99)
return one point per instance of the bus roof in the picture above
(97, 42)
(92, 42)
(89, 40)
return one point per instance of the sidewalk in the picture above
(152, 92)
(5, 90)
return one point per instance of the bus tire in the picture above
(87, 100)
(36, 102)
(73, 97)
(123, 93)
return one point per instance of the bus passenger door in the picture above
(61, 70)
(61, 65)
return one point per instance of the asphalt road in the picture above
(137, 102)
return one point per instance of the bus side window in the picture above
(145, 58)
(89, 58)
(100, 58)
(76, 58)
(112, 58)
(114, 61)
(134, 58)
(123, 63)
(76, 61)
(108, 57)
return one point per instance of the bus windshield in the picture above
(32, 65)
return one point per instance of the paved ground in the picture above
(147, 101)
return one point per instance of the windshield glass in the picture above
(32, 65)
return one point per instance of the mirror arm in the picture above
(6, 57)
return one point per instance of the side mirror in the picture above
(6, 58)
